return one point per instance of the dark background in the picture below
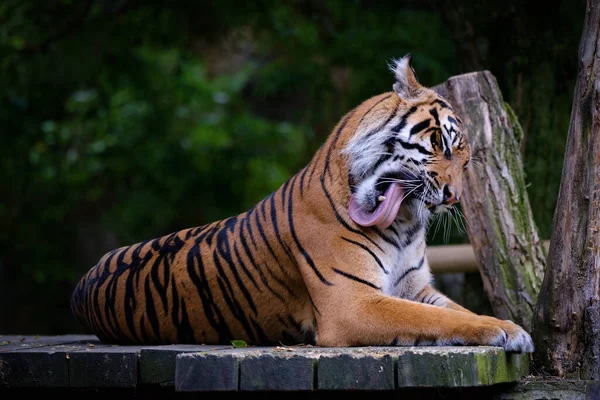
(126, 120)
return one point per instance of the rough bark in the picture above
(495, 203)
(567, 321)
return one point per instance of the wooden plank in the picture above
(459, 367)
(206, 372)
(63, 362)
(9, 343)
(157, 363)
(104, 366)
(272, 370)
(356, 371)
(39, 363)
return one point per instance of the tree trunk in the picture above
(567, 317)
(495, 203)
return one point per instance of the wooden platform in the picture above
(75, 361)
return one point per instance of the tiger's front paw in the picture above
(518, 339)
(507, 334)
(490, 331)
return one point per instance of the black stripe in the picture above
(408, 271)
(294, 323)
(315, 162)
(389, 152)
(161, 289)
(242, 264)
(185, 333)
(368, 250)
(386, 238)
(247, 222)
(275, 293)
(372, 107)
(111, 328)
(142, 324)
(273, 220)
(419, 127)
(435, 116)
(380, 126)
(447, 147)
(313, 304)
(212, 231)
(404, 119)
(334, 141)
(262, 337)
(281, 282)
(414, 146)
(211, 310)
(264, 238)
(257, 268)
(224, 250)
(195, 231)
(236, 309)
(260, 272)
(411, 235)
(283, 193)
(304, 171)
(151, 310)
(355, 278)
(436, 299)
(442, 103)
(304, 253)
(132, 284)
(435, 138)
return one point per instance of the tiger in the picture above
(335, 257)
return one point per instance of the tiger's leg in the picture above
(430, 295)
(357, 316)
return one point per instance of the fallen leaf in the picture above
(239, 344)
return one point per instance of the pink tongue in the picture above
(384, 214)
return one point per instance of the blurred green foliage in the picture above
(128, 120)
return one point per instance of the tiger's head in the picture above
(407, 151)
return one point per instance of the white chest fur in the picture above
(408, 270)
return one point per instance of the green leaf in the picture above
(239, 344)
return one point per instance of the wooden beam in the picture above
(455, 258)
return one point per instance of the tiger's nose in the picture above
(450, 196)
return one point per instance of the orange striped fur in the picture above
(297, 268)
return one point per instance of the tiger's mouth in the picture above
(385, 211)
(383, 203)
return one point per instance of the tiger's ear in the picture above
(407, 85)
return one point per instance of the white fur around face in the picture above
(366, 150)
